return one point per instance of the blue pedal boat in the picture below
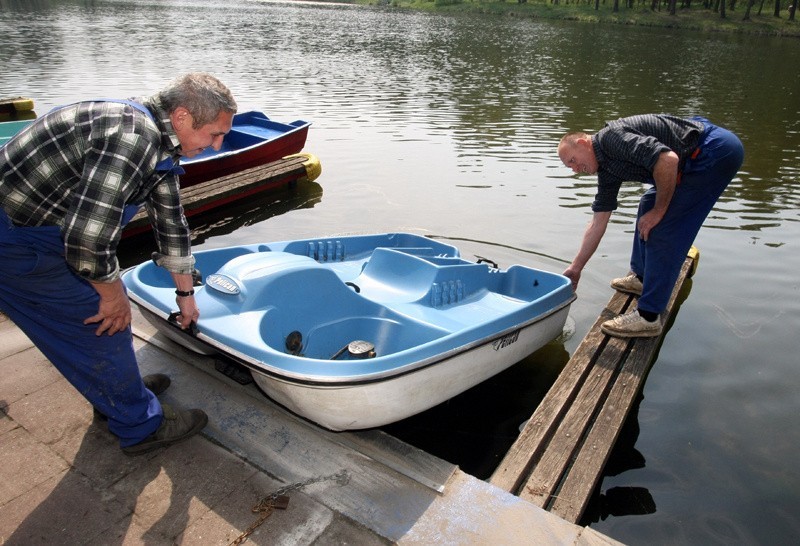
(360, 331)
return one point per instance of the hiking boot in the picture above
(177, 425)
(631, 325)
(155, 383)
(629, 285)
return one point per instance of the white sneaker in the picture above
(631, 325)
(629, 285)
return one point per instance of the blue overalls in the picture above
(48, 301)
(703, 179)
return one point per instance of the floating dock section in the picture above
(240, 185)
(559, 456)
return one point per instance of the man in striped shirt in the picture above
(69, 183)
(689, 163)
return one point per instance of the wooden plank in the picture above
(242, 180)
(227, 189)
(559, 456)
(410, 461)
(561, 448)
(530, 444)
(583, 477)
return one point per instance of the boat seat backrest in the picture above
(396, 276)
(239, 139)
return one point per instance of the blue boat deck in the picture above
(328, 293)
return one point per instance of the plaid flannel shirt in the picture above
(78, 167)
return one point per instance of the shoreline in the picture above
(692, 19)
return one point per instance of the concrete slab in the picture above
(65, 481)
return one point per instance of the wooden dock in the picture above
(220, 191)
(558, 458)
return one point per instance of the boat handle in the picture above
(354, 286)
(192, 330)
(481, 260)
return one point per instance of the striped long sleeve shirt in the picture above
(79, 166)
(627, 150)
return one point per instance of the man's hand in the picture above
(114, 310)
(665, 176)
(189, 311)
(573, 274)
(648, 221)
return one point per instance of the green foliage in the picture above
(700, 16)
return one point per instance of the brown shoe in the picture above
(177, 425)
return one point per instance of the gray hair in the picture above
(202, 94)
(571, 138)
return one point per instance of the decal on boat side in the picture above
(506, 340)
(223, 283)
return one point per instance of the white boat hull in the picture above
(368, 405)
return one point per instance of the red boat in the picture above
(254, 140)
(257, 155)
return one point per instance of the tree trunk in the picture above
(747, 11)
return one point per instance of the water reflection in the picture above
(487, 419)
(628, 500)
(448, 124)
(497, 99)
(216, 223)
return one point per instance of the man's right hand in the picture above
(114, 310)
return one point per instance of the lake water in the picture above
(446, 126)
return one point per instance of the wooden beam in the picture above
(220, 191)
(559, 456)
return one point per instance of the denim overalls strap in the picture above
(164, 166)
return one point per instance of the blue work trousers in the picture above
(659, 259)
(49, 302)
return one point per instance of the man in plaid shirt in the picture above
(69, 183)
(689, 163)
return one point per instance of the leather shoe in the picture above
(176, 426)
